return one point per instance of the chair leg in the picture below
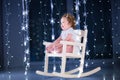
(46, 64)
(63, 64)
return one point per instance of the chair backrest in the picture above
(82, 35)
(82, 39)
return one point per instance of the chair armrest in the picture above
(71, 43)
(46, 43)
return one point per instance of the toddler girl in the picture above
(67, 34)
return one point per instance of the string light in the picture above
(77, 13)
(52, 20)
(86, 64)
(7, 39)
(25, 31)
(53, 35)
(78, 20)
(87, 52)
(113, 77)
(85, 14)
(104, 77)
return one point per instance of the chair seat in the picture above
(67, 55)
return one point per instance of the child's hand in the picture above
(50, 48)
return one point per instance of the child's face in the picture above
(65, 24)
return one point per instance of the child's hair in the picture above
(70, 19)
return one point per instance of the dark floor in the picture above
(110, 70)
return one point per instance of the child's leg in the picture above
(49, 48)
(58, 48)
(69, 49)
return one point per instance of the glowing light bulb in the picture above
(25, 13)
(52, 21)
(86, 65)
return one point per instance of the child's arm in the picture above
(69, 37)
(57, 40)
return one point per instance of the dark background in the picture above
(98, 22)
(103, 20)
(1, 38)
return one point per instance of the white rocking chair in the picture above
(81, 55)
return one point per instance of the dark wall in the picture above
(13, 39)
(116, 27)
(99, 23)
(1, 38)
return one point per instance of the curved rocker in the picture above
(69, 75)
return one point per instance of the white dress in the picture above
(68, 31)
(74, 37)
